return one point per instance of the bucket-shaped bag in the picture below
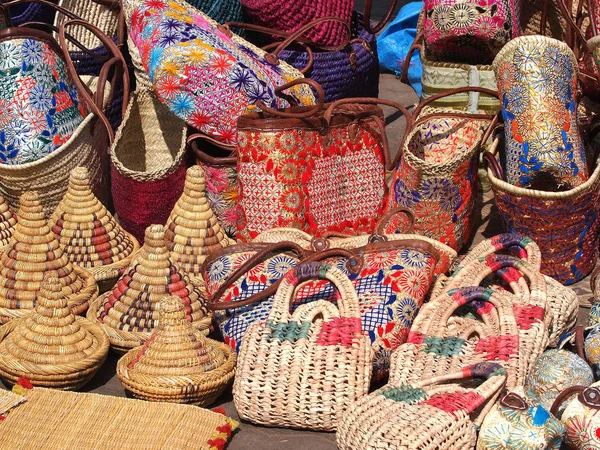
(429, 414)
(87, 144)
(317, 349)
(435, 172)
(564, 224)
(147, 163)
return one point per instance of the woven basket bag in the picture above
(580, 417)
(52, 347)
(318, 353)
(7, 223)
(563, 224)
(21, 12)
(221, 11)
(430, 414)
(147, 163)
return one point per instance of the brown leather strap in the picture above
(563, 396)
(569, 18)
(493, 165)
(416, 45)
(388, 216)
(299, 115)
(96, 104)
(386, 18)
(269, 249)
(225, 161)
(309, 52)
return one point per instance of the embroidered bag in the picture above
(320, 169)
(204, 74)
(318, 353)
(429, 414)
(581, 416)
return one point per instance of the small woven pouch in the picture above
(429, 414)
(319, 353)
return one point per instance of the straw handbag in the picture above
(47, 417)
(563, 224)
(177, 364)
(562, 300)
(129, 313)
(147, 163)
(85, 148)
(89, 234)
(435, 413)
(192, 231)
(220, 11)
(513, 423)
(318, 353)
(435, 171)
(33, 253)
(52, 347)
(581, 417)
(7, 223)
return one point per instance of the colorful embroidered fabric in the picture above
(537, 81)
(391, 288)
(436, 177)
(310, 179)
(582, 420)
(514, 424)
(39, 105)
(206, 76)
(469, 32)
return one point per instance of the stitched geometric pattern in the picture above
(260, 206)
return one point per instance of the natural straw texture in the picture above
(192, 231)
(88, 233)
(33, 253)
(52, 347)
(7, 223)
(302, 370)
(177, 363)
(129, 313)
(68, 420)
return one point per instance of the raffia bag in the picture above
(318, 353)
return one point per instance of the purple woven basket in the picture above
(31, 12)
(351, 72)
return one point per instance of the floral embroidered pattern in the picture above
(204, 75)
(537, 82)
(40, 106)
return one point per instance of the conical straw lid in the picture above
(52, 339)
(32, 253)
(7, 223)
(132, 305)
(88, 233)
(176, 348)
(192, 229)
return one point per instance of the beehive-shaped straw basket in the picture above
(192, 231)
(89, 234)
(177, 363)
(129, 313)
(32, 253)
(7, 223)
(52, 347)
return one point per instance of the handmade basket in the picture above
(428, 414)
(86, 421)
(7, 223)
(177, 364)
(580, 416)
(319, 342)
(221, 11)
(52, 347)
(129, 313)
(31, 12)
(89, 234)
(561, 223)
(32, 253)
(148, 164)
(192, 230)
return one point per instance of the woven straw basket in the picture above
(52, 347)
(318, 354)
(148, 164)
(7, 223)
(129, 313)
(33, 253)
(69, 420)
(564, 224)
(192, 231)
(89, 234)
(177, 363)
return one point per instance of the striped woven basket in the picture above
(7, 223)
(33, 253)
(177, 364)
(52, 347)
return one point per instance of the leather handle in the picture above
(493, 164)
(208, 159)
(569, 18)
(579, 342)
(300, 115)
(386, 18)
(563, 396)
(389, 215)
(416, 45)
(311, 55)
